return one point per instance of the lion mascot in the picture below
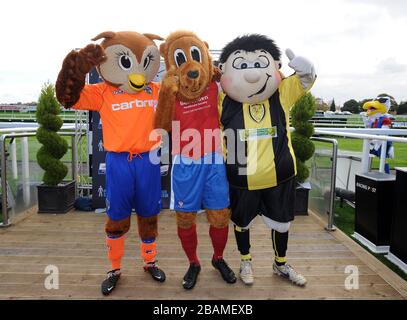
(376, 116)
(260, 162)
(187, 105)
(126, 101)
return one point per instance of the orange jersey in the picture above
(127, 119)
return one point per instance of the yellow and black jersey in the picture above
(257, 138)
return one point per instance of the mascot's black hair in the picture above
(250, 43)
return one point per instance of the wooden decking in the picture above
(74, 242)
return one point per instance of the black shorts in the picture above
(275, 203)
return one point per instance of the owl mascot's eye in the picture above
(125, 62)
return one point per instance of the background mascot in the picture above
(189, 97)
(126, 101)
(377, 117)
(260, 161)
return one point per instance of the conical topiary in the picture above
(303, 147)
(53, 146)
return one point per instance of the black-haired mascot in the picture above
(261, 163)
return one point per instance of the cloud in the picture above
(396, 8)
(390, 66)
(357, 46)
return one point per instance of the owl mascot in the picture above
(260, 162)
(126, 101)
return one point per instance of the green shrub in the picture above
(53, 146)
(302, 171)
(303, 147)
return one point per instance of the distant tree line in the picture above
(356, 106)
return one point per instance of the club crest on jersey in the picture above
(148, 90)
(118, 91)
(257, 112)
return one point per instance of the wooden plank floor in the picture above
(74, 242)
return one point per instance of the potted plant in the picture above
(54, 195)
(303, 147)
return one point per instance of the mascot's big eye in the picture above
(195, 53)
(240, 63)
(125, 61)
(179, 57)
(147, 61)
(262, 62)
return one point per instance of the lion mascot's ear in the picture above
(163, 49)
(105, 35)
(206, 44)
(152, 36)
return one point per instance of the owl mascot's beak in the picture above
(137, 81)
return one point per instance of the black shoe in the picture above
(227, 274)
(156, 273)
(110, 282)
(191, 276)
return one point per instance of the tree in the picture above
(393, 103)
(53, 146)
(402, 109)
(333, 106)
(303, 147)
(321, 105)
(352, 106)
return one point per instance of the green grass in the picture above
(345, 220)
(356, 145)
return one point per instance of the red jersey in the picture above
(196, 132)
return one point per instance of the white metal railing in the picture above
(24, 133)
(367, 135)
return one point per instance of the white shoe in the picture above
(246, 272)
(288, 272)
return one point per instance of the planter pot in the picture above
(301, 199)
(56, 199)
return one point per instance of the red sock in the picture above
(219, 238)
(189, 241)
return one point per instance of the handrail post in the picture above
(25, 169)
(13, 152)
(383, 152)
(365, 156)
(330, 226)
(74, 162)
(5, 217)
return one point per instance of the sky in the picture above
(358, 47)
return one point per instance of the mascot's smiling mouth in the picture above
(263, 88)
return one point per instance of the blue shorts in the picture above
(132, 184)
(199, 184)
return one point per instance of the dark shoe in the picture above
(227, 274)
(156, 273)
(191, 276)
(110, 282)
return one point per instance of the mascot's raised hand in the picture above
(302, 67)
(168, 95)
(76, 65)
